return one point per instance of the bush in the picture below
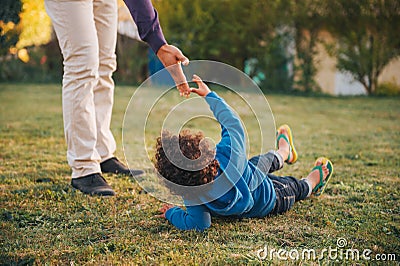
(276, 64)
(132, 60)
(44, 65)
(388, 89)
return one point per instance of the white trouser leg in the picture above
(106, 19)
(76, 29)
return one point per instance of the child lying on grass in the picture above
(252, 191)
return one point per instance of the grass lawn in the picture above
(44, 221)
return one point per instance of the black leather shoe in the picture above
(114, 166)
(93, 184)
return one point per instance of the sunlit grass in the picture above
(43, 220)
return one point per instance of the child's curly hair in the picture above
(189, 145)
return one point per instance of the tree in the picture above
(9, 18)
(229, 31)
(271, 52)
(307, 17)
(35, 24)
(234, 31)
(367, 34)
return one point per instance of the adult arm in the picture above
(146, 19)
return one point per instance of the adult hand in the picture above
(164, 209)
(202, 89)
(172, 58)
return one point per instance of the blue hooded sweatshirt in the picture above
(240, 189)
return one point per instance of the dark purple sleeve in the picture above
(146, 19)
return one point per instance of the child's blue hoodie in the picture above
(247, 192)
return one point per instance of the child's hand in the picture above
(202, 89)
(164, 209)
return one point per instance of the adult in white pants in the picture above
(87, 34)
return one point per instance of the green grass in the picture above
(44, 221)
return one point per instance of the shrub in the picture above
(388, 89)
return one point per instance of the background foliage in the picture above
(367, 38)
(9, 16)
(35, 24)
(280, 32)
(275, 41)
